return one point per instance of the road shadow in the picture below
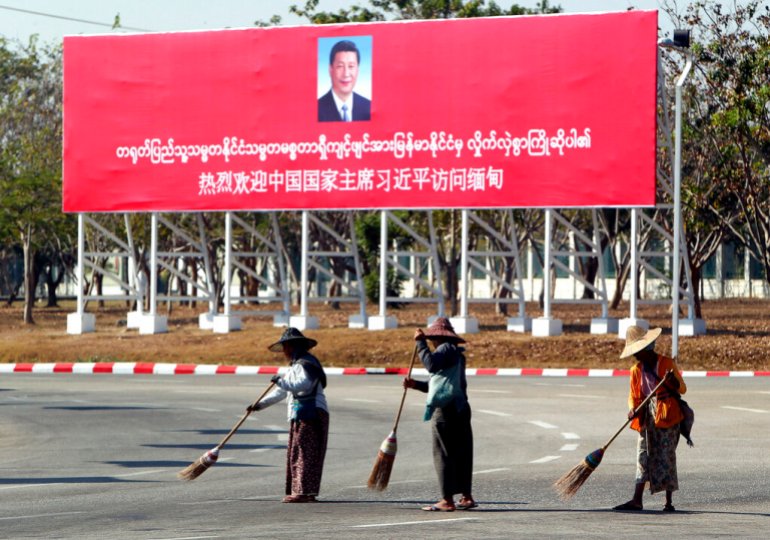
(412, 505)
(209, 445)
(72, 480)
(242, 431)
(721, 512)
(171, 464)
(88, 408)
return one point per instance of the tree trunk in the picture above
(29, 276)
(695, 275)
(620, 285)
(590, 270)
(99, 282)
(52, 283)
(501, 308)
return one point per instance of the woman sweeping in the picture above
(658, 423)
(448, 408)
(308, 413)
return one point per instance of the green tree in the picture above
(30, 155)
(382, 10)
(726, 139)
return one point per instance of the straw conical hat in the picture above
(637, 339)
(294, 336)
(442, 328)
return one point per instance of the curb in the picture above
(152, 368)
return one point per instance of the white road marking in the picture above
(185, 538)
(400, 523)
(267, 448)
(488, 471)
(545, 459)
(31, 485)
(587, 396)
(363, 400)
(229, 458)
(204, 409)
(283, 437)
(568, 447)
(570, 436)
(34, 516)
(493, 413)
(761, 392)
(208, 501)
(540, 423)
(390, 484)
(272, 427)
(744, 409)
(140, 473)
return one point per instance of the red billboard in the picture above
(541, 111)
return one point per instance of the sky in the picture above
(53, 19)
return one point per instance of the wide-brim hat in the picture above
(637, 338)
(295, 337)
(442, 328)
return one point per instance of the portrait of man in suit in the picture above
(341, 103)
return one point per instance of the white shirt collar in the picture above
(339, 103)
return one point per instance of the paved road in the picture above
(96, 457)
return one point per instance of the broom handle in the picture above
(244, 417)
(639, 408)
(403, 396)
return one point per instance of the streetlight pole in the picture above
(680, 42)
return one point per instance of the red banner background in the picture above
(545, 111)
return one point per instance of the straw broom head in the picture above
(570, 483)
(199, 466)
(383, 465)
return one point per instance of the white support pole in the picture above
(81, 262)
(632, 319)
(546, 325)
(80, 322)
(154, 264)
(677, 252)
(227, 322)
(153, 323)
(303, 321)
(382, 321)
(464, 324)
(228, 259)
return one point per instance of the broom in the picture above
(570, 483)
(200, 465)
(383, 465)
